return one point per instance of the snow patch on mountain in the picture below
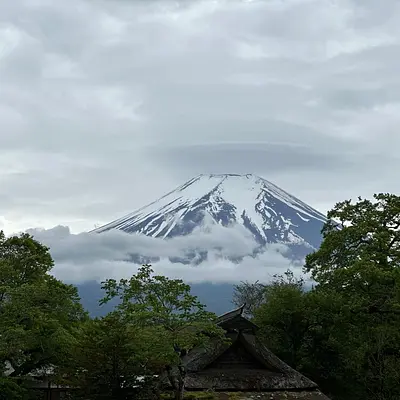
(269, 213)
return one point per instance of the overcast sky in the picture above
(106, 105)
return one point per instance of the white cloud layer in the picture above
(87, 256)
(105, 105)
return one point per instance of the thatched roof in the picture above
(234, 320)
(231, 314)
(242, 363)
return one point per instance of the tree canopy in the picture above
(155, 302)
(107, 360)
(345, 332)
(359, 260)
(38, 313)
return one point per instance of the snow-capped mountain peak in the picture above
(268, 212)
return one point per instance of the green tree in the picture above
(253, 295)
(107, 360)
(345, 332)
(361, 241)
(306, 329)
(38, 314)
(10, 390)
(283, 317)
(328, 344)
(359, 260)
(173, 318)
(249, 293)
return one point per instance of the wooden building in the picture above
(244, 367)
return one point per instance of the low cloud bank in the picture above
(89, 256)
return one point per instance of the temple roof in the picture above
(256, 368)
(234, 320)
(242, 363)
(231, 314)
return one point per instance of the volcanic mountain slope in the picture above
(268, 212)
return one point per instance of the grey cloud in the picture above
(362, 98)
(243, 157)
(85, 256)
(98, 97)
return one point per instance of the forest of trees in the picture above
(344, 333)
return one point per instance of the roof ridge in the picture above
(235, 312)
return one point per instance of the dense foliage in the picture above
(108, 360)
(173, 319)
(45, 331)
(344, 333)
(39, 315)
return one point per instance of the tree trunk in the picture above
(179, 392)
(181, 383)
(176, 376)
(171, 378)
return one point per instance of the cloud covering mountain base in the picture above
(218, 254)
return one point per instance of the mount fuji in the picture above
(267, 212)
(262, 210)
